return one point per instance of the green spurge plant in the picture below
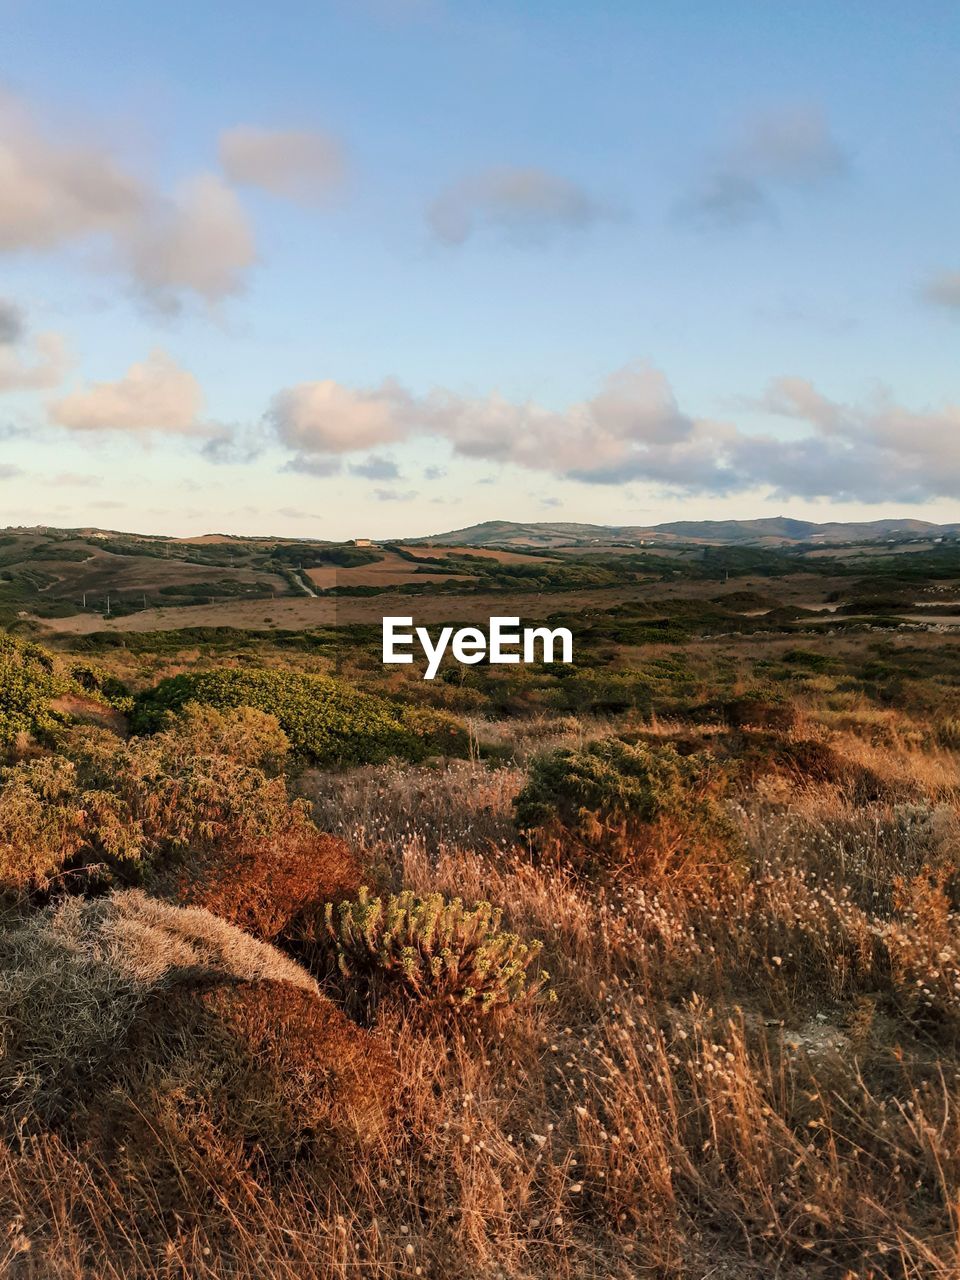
(436, 950)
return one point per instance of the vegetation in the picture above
(731, 838)
(434, 950)
(325, 719)
(29, 680)
(601, 802)
(190, 812)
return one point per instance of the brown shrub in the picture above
(761, 710)
(272, 1072)
(803, 761)
(74, 977)
(189, 814)
(263, 886)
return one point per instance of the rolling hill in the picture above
(768, 531)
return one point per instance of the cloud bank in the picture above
(633, 429)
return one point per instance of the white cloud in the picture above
(944, 290)
(200, 242)
(298, 164)
(155, 395)
(784, 149)
(54, 193)
(325, 417)
(57, 193)
(527, 205)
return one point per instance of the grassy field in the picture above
(648, 966)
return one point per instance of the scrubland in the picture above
(648, 968)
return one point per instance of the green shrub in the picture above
(808, 660)
(326, 720)
(29, 679)
(434, 950)
(603, 795)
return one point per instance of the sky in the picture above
(391, 267)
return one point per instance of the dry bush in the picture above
(75, 976)
(801, 762)
(265, 1070)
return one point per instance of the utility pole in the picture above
(108, 604)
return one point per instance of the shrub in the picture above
(601, 797)
(434, 950)
(762, 707)
(325, 719)
(29, 679)
(74, 976)
(248, 736)
(261, 886)
(808, 660)
(54, 821)
(803, 760)
(207, 829)
(264, 1073)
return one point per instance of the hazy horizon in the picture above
(401, 535)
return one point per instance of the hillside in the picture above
(775, 530)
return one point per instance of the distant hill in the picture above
(768, 531)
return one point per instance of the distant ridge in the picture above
(767, 531)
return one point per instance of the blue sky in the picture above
(393, 266)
